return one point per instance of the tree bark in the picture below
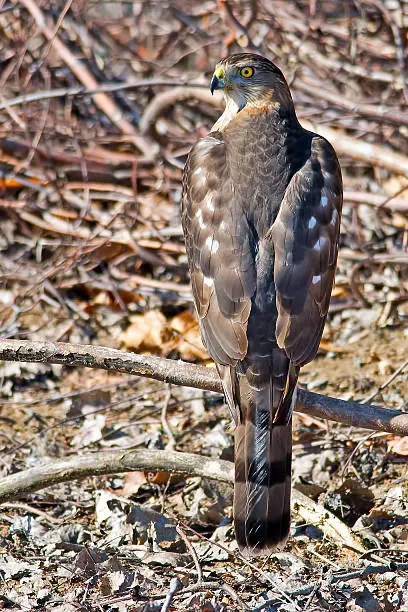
(200, 377)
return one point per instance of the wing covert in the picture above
(305, 238)
(218, 243)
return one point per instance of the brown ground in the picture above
(91, 252)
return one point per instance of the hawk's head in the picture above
(250, 79)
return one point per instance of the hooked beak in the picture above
(216, 83)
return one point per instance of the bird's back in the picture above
(264, 150)
(261, 211)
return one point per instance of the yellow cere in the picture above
(246, 72)
(219, 73)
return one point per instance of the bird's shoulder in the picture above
(324, 162)
(212, 145)
(205, 166)
(321, 149)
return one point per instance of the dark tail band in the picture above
(263, 453)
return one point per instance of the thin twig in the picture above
(380, 113)
(348, 146)
(32, 510)
(104, 103)
(175, 585)
(165, 424)
(214, 586)
(393, 202)
(312, 594)
(169, 97)
(369, 571)
(80, 90)
(386, 383)
(193, 554)
(366, 152)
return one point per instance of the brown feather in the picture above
(261, 213)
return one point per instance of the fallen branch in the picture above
(169, 97)
(102, 100)
(360, 150)
(80, 90)
(372, 111)
(348, 146)
(112, 462)
(368, 571)
(116, 462)
(376, 200)
(200, 377)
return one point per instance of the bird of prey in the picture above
(261, 210)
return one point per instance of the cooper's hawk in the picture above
(261, 209)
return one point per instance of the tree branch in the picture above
(349, 146)
(200, 377)
(112, 462)
(116, 462)
(79, 69)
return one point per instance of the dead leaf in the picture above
(308, 421)
(87, 560)
(331, 348)
(394, 185)
(186, 337)
(398, 445)
(91, 430)
(385, 368)
(145, 331)
(132, 482)
(126, 521)
(339, 292)
(399, 221)
(11, 567)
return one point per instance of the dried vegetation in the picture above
(92, 252)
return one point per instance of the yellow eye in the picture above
(246, 72)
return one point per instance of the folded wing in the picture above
(218, 242)
(305, 238)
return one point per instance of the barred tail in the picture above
(263, 453)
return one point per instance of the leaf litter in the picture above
(92, 252)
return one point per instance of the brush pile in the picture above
(100, 103)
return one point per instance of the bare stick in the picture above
(386, 383)
(193, 554)
(360, 150)
(378, 112)
(169, 97)
(348, 146)
(103, 101)
(112, 462)
(116, 462)
(175, 585)
(377, 200)
(80, 90)
(200, 377)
